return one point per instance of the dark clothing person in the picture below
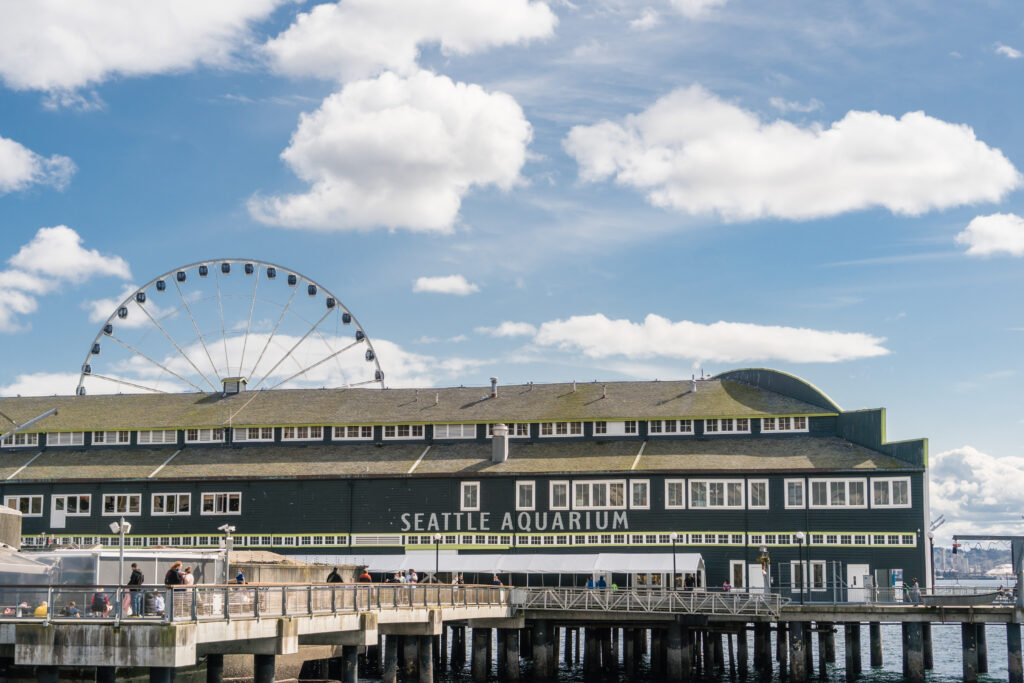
(173, 578)
(334, 576)
(601, 583)
(240, 578)
(100, 603)
(137, 578)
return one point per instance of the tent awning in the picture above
(530, 563)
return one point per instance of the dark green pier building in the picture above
(754, 472)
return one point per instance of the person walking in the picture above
(135, 582)
(334, 576)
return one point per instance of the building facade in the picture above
(748, 464)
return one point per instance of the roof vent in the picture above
(693, 384)
(499, 443)
(494, 387)
(604, 391)
(574, 386)
(234, 385)
(437, 397)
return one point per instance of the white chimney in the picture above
(494, 387)
(499, 443)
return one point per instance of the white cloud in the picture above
(696, 8)
(101, 309)
(20, 167)
(58, 252)
(597, 336)
(360, 38)
(976, 490)
(399, 152)
(785, 106)
(988, 235)
(63, 45)
(509, 329)
(447, 284)
(12, 304)
(647, 20)
(42, 384)
(1007, 51)
(693, 152)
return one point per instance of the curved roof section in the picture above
(782, 383)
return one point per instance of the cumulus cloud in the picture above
(509, 329)
(785, 106)
(20, 167)
(693, 152)
(647, 20)
(597, 336)
(54, 255)
(988, 235)
(64, 45)
(399, 152)
(977, 490)
(447, 284)
(696, 8)
(360, 38)
(41, 384)
(1007, 51)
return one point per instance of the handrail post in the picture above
(256, 602)
(195, 603)
(169, 606)
(49, 604)
(309, 599)
(284, 601)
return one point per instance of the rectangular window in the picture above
(353, 432)
(21, 439)
(629, 427)
(783, 424)
(794, 493)
(639, 496)
(525, 495)
(212, 435)
(599, 495)
(561, 428)
(675, 494)
(122, 504)
(119, 438)
(818, 575)
(757, 494)
(29, 506)
(890, 493)
(838, 493)
(469, 498)
(156, 436)
(558, 495)
(727, 425)
(460, 431)
(171, 504)
(600, 428)
(65, 438)
(241, 434)
(222, 504)
(670, 427)
(73, 506)
(302, 433)
(405, 432)
(723, 494)
(516, 430)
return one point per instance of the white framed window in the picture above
(218, 503)
(757, 494)
(353, 432)
(784, 424)
(818, 581)
(838, 493)
(460, 431)
(600, 427)
(21, 439)
(893, 492)
(28, 506)
(302, 433)
(558, 495)
(526, 495)
(599, 495)
(629, 427)
(639, 494)
(156, 436)
(211, 435)
(245, 434)
(65, 438)
(171, 504)
(795, 498)
(122, 504)
(118, 438)
(469, 496)
(614, 428)
(403, 431)
(727, 425)
(670, 427)
(675, 494)
(716, 493)
(561, 429)
(516, 430)
(79, 505)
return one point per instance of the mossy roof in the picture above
(516, 403)
(728, 455)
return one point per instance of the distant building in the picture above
(746, 459)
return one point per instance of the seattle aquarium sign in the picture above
(592, 520)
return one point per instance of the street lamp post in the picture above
(765, 559)
(228, 542)
(931, 557)
(120, 528)
(675, 537)
(437, 557)
(800, 562)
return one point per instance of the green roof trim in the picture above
(783, 383)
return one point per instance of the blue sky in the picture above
(837, 182)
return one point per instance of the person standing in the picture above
(365, 577)
(412, 577)
(135, 582)
(334, 576)
(173, 575)
(240, 577)
(187, 578)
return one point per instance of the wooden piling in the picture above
(481, 665)
(608, 663)
(410, 657)
(1014, 663)
(511, 669)
(629, 651)
(822, 629)
(852, 644)
(926, 635)
(592, 654)
(915, 653)
(732, 655)
(390, 659)
(674, 651)
(969, 652)
(656, 653)
(982, 648)
(541, 636)
(798, 659)
(426, 659)
(875, 636)
(742, 651)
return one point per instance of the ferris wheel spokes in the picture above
(292, 349)
(248, 324)
(191, 317)
(183, 354)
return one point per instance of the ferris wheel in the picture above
(200, 326)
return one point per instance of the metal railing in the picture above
(225, 602)
(649, 601)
